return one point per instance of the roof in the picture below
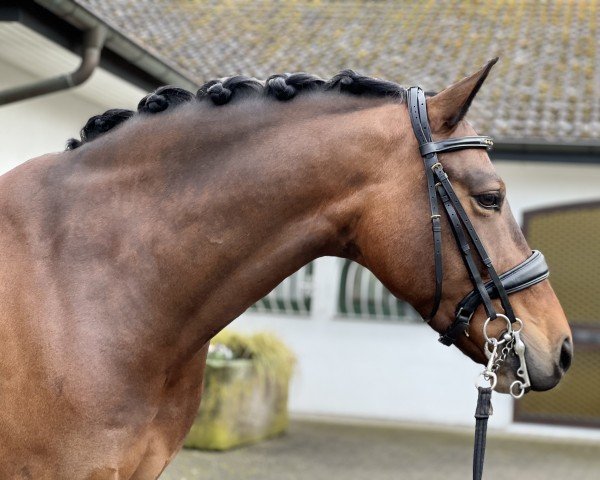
(545, 89)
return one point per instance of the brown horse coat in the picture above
(123, 257)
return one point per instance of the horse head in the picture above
(439, 156)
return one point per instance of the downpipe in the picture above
(71, 12)
(93, 43)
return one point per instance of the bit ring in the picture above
(520, 385)
(520, 322)
(508, 323)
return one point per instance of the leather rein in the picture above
(529, 272)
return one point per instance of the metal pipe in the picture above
(81, 18)
(92, 47)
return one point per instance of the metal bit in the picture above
(522, 372)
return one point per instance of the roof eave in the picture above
(82, 19)
(546, 150)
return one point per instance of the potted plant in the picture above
(245, 391)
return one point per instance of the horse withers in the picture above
(125, 254)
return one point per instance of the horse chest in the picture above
(54, 427)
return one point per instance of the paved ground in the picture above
(321, 451)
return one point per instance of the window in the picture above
(292, 296)
(363, 296)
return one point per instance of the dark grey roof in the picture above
(545, 88)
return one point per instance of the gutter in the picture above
(543, 145)
(81, 18)
(92, 48)
(545, 150)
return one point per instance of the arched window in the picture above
(363, 296)
(292, 296)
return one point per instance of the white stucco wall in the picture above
(34, 127)
(372, 369)
(43, 124)
(400, 372)
(533, 185)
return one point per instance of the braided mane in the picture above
(281, 87)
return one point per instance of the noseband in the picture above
(531, 271)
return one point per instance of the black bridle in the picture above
(531, 271)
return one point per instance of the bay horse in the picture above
(125, 254)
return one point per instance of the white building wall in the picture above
(395, 371)
(43, 124)
(40, 125)
(372, 369)
(532, 185)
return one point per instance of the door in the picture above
(569, 237)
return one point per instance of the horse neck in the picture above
(200, 221)
(291, 190)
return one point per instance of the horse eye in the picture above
(489, 200)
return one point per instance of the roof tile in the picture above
(547, 85)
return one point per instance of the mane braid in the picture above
(280, 87)
(164, 98)
(98, 125)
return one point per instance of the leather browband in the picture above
(531, 271)
(453, 144)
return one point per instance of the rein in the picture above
(529, 272)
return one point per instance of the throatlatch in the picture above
(529, 272)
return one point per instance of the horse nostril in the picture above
(566, 355)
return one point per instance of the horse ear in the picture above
(449, 107)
